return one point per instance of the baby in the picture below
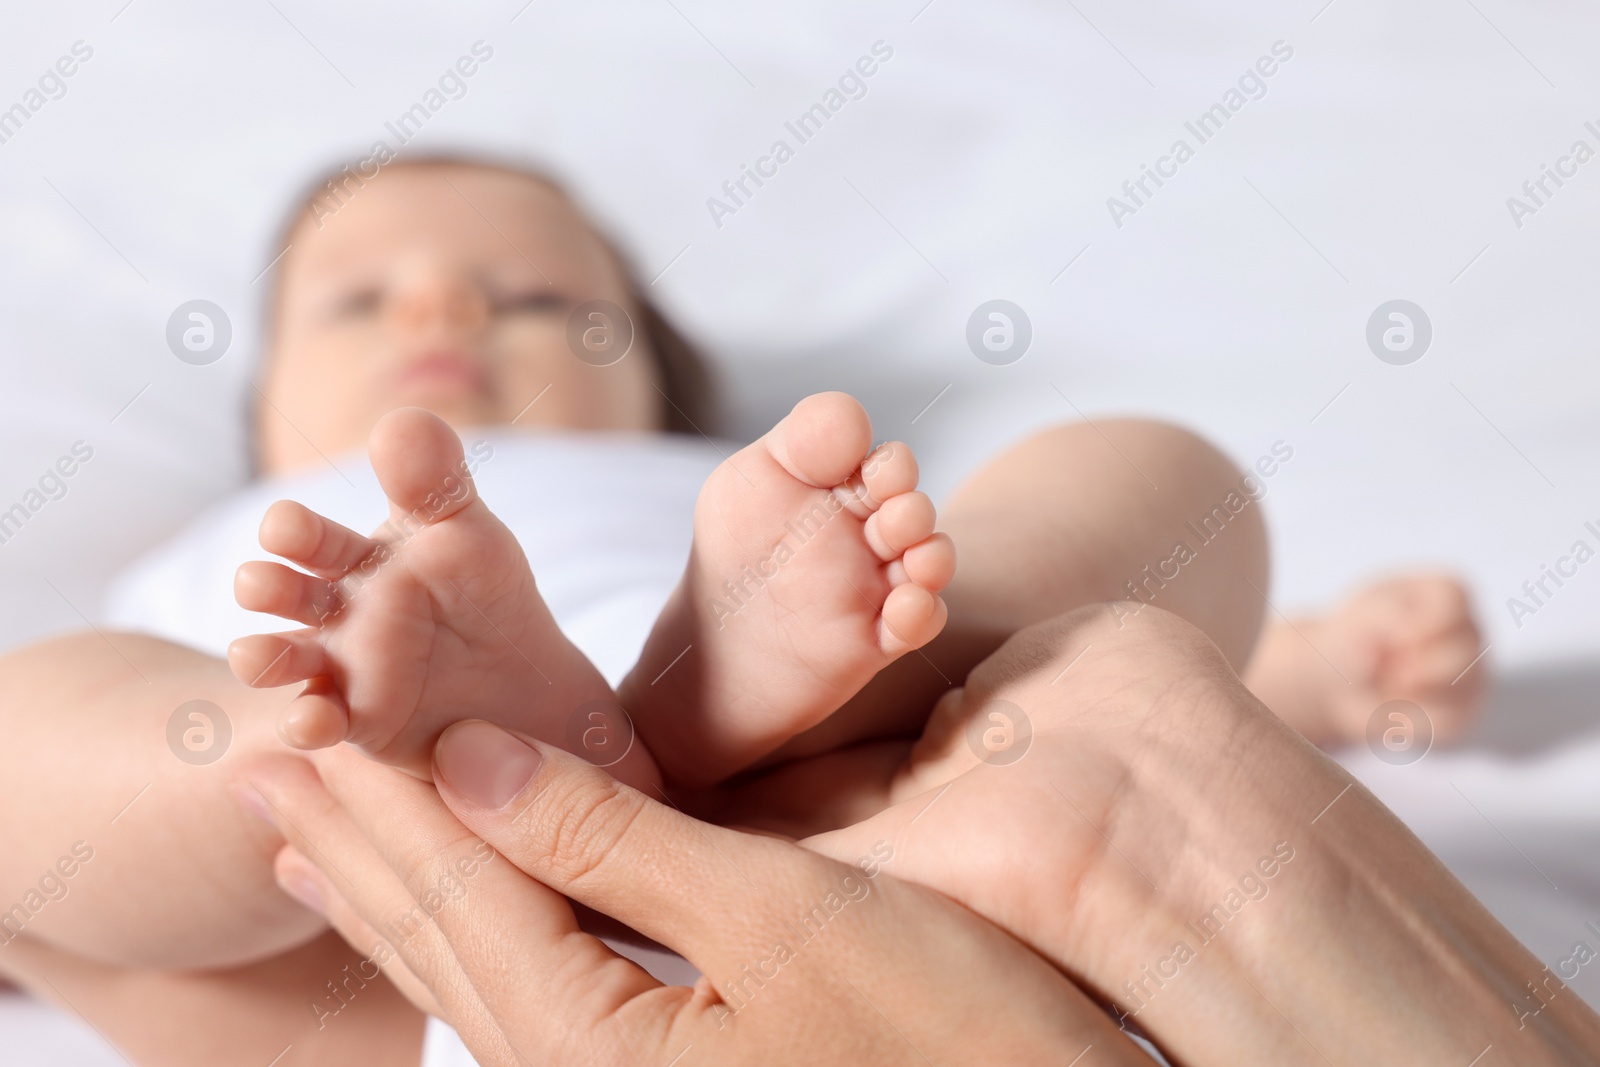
(376, 312)
(447, 294)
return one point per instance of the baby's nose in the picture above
(439, 304)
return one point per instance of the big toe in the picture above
(420, 464)
(823, 440)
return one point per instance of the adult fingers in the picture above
(705, 891)
(351, 874)
(517, 942)
(304, 881)
(747, 909)
(807, 796)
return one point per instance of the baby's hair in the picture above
(688, 392)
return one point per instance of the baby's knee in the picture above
(1123, 624)
(1142, 441)
(1118, 639)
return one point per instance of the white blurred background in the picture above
(978, 165)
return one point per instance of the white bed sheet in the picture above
(39, 1036)
(1378, 165)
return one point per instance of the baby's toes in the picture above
(901, 522)
(274, 589)
(420, 464)
(930, 563)
(264, 661)
(912, 616)
(821, 442)
(888, 472)
(317, 718)
(320, 545)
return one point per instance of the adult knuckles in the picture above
(438, 869)
(577, 828)
(610, 1024)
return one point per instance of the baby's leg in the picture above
(1123, 510)
(1144, 512)
(116, 849)
(281, 1012)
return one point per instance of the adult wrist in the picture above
(1289, 894)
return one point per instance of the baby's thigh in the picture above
(1124, 658)
(309, 1007)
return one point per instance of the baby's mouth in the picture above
(443, 371)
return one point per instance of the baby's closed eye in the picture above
(539, 301)
(356, 303)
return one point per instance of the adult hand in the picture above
(1161, 836)
(805, 958)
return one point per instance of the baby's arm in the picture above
(115, 848)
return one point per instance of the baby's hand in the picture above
(433, 619)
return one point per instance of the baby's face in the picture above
(448, 288)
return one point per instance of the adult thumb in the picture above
(687, 884)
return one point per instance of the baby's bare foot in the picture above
(814, 566)
(433, 619)
(1411, 638)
